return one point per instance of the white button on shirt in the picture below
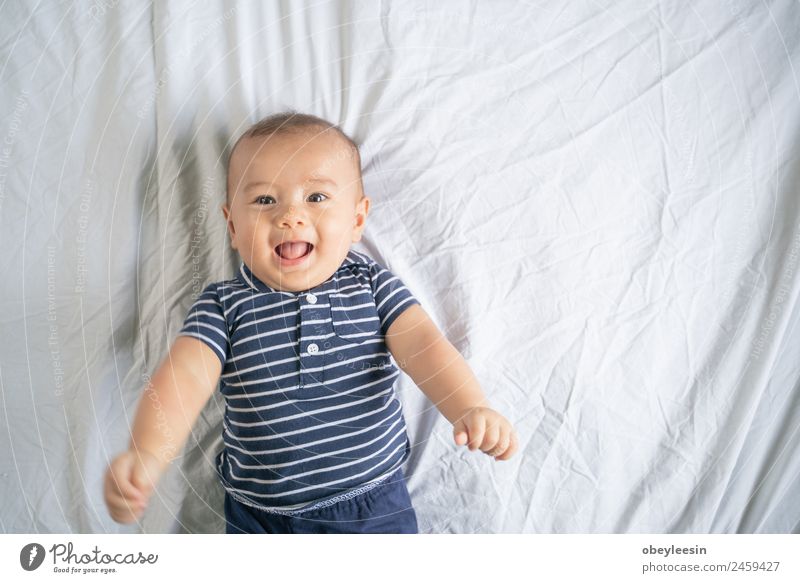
(312, 299)
(313, 348)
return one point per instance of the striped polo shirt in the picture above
(311, 415)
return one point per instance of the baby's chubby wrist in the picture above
(153, 460)
(467, 411)
(147, 468)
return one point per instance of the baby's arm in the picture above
(440, 371)
(171, 403)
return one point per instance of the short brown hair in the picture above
(290, 122)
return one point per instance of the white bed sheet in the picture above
(597, 202)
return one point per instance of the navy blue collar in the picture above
(248, 278)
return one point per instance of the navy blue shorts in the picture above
(385, 509)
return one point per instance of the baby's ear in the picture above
(231, 229)
(362, 210)
(364, 205)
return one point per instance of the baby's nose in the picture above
(290, 216)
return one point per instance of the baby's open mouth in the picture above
(293, 249)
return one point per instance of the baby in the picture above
(302, 340)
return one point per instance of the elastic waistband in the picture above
(314, 505)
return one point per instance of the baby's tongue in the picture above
(292, 250)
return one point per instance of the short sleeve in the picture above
(392, 297)
(206, 322)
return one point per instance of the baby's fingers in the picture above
(512, 448)
(118, 480)
(500, 445)
(124, 501)
(476, 427)
(123, 510)
(492, 441)
(460, 432)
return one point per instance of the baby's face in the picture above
(295, 207)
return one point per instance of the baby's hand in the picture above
(129, 483)
(485, 429)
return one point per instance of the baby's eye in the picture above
(317, 194)
(265, 199)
